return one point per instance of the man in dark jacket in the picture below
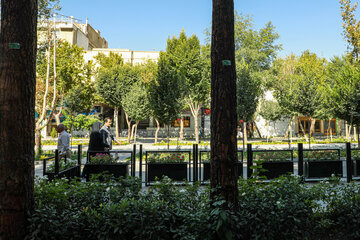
(106, 135)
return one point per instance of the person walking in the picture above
(106, 135)
(63, 145)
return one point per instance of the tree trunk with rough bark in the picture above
(224, 174)
(17, 116)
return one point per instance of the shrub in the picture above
(280, 209)
(53, 133)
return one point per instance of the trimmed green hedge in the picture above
(281, 209)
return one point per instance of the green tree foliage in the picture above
(80, 99)
(136, 104)
(80, 121)
(306, 96)
(107, 62)
(343, 89)
(254, 54)
(114, 84)
(351, 28)
(185, 58)
(164, 92)
(270, 110)
(298, 85)
(47, 7)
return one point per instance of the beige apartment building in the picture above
(74, 31)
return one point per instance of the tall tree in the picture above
(283, 85)
(106, 64)
(298, 89)
(148, 78)
(188, 62)
(136, 105)
(344, 90)
(63, 75)
(113, 85)
(224, 174)
(164, 94)
(255, 51)
(17, 102)
(351, 28)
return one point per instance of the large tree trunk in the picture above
(157, 130)
(17, 103)
(116, 120)
(224, 174)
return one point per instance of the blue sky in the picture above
(145, 25)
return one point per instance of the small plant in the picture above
(355, 154)
(272, 156)
(101, 158)
(321, 155)
(62, 165)
(175, 157)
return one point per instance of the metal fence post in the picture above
(249, 156)
(133, 161)
(194, 162)
(44, 167)
(197, 162)
(79, 158)
(56, 161)
(140, 164)
(300, 159)
(349, 167)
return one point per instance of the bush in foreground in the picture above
(281, 209)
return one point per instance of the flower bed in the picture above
(167, 157)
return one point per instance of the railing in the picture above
(68, 173)
(195, 162)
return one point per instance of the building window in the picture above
(306, 123)
(330, 128)
(176, 122)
